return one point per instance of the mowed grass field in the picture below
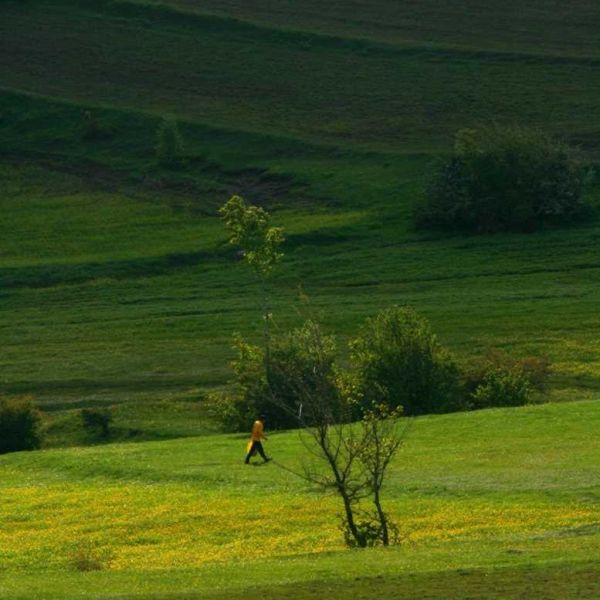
(501, 503)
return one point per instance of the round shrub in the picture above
(502, 387)
(19, 425)
(399, 362)
(300, 367)
(504, 179)
(535, 370)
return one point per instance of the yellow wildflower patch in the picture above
(137, 526)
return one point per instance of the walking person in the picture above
(256, 438)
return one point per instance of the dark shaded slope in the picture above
(249, 78)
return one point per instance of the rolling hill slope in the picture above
(494, 504)
(315, 86)
(116, 285)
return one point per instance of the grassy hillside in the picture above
(491, 504)
(539, 27)
(307, 84)
(116, 285)
(111, 296)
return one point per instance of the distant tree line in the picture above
(395, 361)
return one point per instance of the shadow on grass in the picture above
(546, 582)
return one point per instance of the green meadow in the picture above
(493, 504)
(118, 288)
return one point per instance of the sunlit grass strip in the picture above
(166, 526)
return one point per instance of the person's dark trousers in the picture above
(256, 447)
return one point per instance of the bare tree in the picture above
(352, 457)
(326, 430)
(382, 435)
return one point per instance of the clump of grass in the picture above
(89, 556)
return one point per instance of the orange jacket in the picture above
(258, 433)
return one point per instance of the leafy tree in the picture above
(20, 425)
(250, 229)
(504, 179)
(399, 362)
(296, 361)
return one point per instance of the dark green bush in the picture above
(399, 362)
(504, 179)
(502, 387)
(97, 421)
(499, 379)
(249, 395)
(300, 366)
(19, 425)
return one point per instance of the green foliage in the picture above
(249, 228)
(19, 425)
(169, 143)
(499, 379)
(502, 387)
(97, 420)
(250, 395)
(399, 362)
(535, 369)
(302, 368)
(301, 362)
(504, 179)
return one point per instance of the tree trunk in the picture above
(266, 322)
(385, 536)
(350, 518)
